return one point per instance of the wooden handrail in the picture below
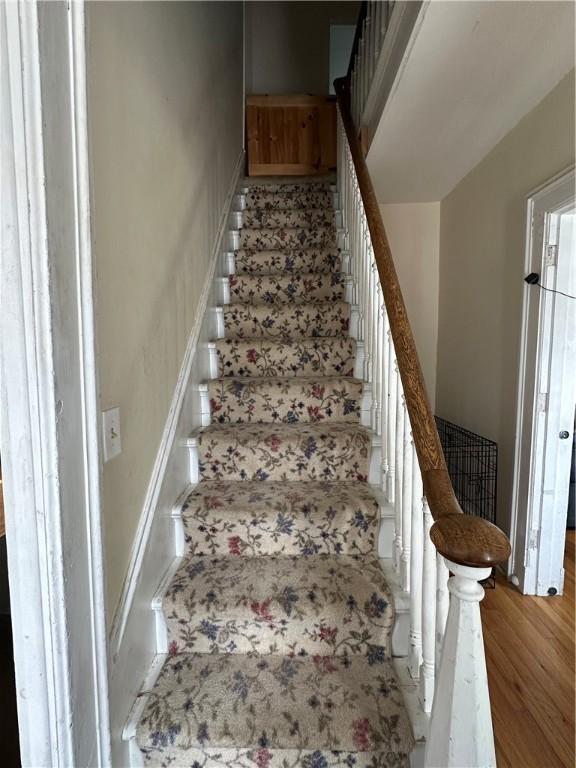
(460, 538)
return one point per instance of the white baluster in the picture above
(384, 18)
(355, 89)
(362, 75)
(377, 26)
(406, 501)
(368, 59)
(370, 291)
(384, 395)
(362, 277)
(399, 476)
(391, 420)
(461, 725)
(377, 366)
(416, 568)
(428, 615)
(442, 604)
(358, 257)
(365, 38)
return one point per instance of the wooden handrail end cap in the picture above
(470, 541)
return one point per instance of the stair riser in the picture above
(350, 712)
(259, 605)
(286, 239)
(279, 635)
(284, 402)
(230, 360)
(255, 534)
(220, 328)
(326, 457)
(286, 322)
(207, 415)
(201, 469)
(283, 262)
(289, 189)
(266, 289)
(278, 202)
(261, 518)
(258, 757)
(329, 357)
(305, 219)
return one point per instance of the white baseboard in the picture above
(132, 646)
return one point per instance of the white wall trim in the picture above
(63, 720)
(28, 435)
(521, 522)
(167, 442)
(90, 399)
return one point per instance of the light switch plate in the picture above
(111, 430)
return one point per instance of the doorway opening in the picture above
(341, 41)
(547, 392)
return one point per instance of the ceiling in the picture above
(471, 71)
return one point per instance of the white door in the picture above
(547, 392)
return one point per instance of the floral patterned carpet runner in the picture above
(279, 618)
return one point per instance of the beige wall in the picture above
(165, 110)
(482, 250)
(414, 233)
(287, 44)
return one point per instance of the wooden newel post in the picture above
(461, 723)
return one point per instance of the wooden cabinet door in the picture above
(290, 135)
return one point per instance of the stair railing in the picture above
(433, 538)
(370, 32)
(383, 30)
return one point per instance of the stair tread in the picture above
(251, 517)
(244, 432)
(277, 703)
(275, 201)
(296, 320)
(299, 231)
(258, 218)
(285, 260)
(266, 238)
(286, 188)
(319, 356)
(285, 400)
(299, 287)
(309, 451)
(295, 604)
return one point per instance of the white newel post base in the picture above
(460, 734)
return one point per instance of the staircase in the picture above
(279, 618)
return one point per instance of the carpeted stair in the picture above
(279, 618)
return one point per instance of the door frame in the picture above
(49, 396)
(537, 536)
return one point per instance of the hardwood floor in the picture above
(530, 657)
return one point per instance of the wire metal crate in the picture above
(472, 462)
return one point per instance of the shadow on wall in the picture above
(288, 44)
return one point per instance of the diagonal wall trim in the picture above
(132, 649)
(167, 443)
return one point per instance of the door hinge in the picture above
(551, 256)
